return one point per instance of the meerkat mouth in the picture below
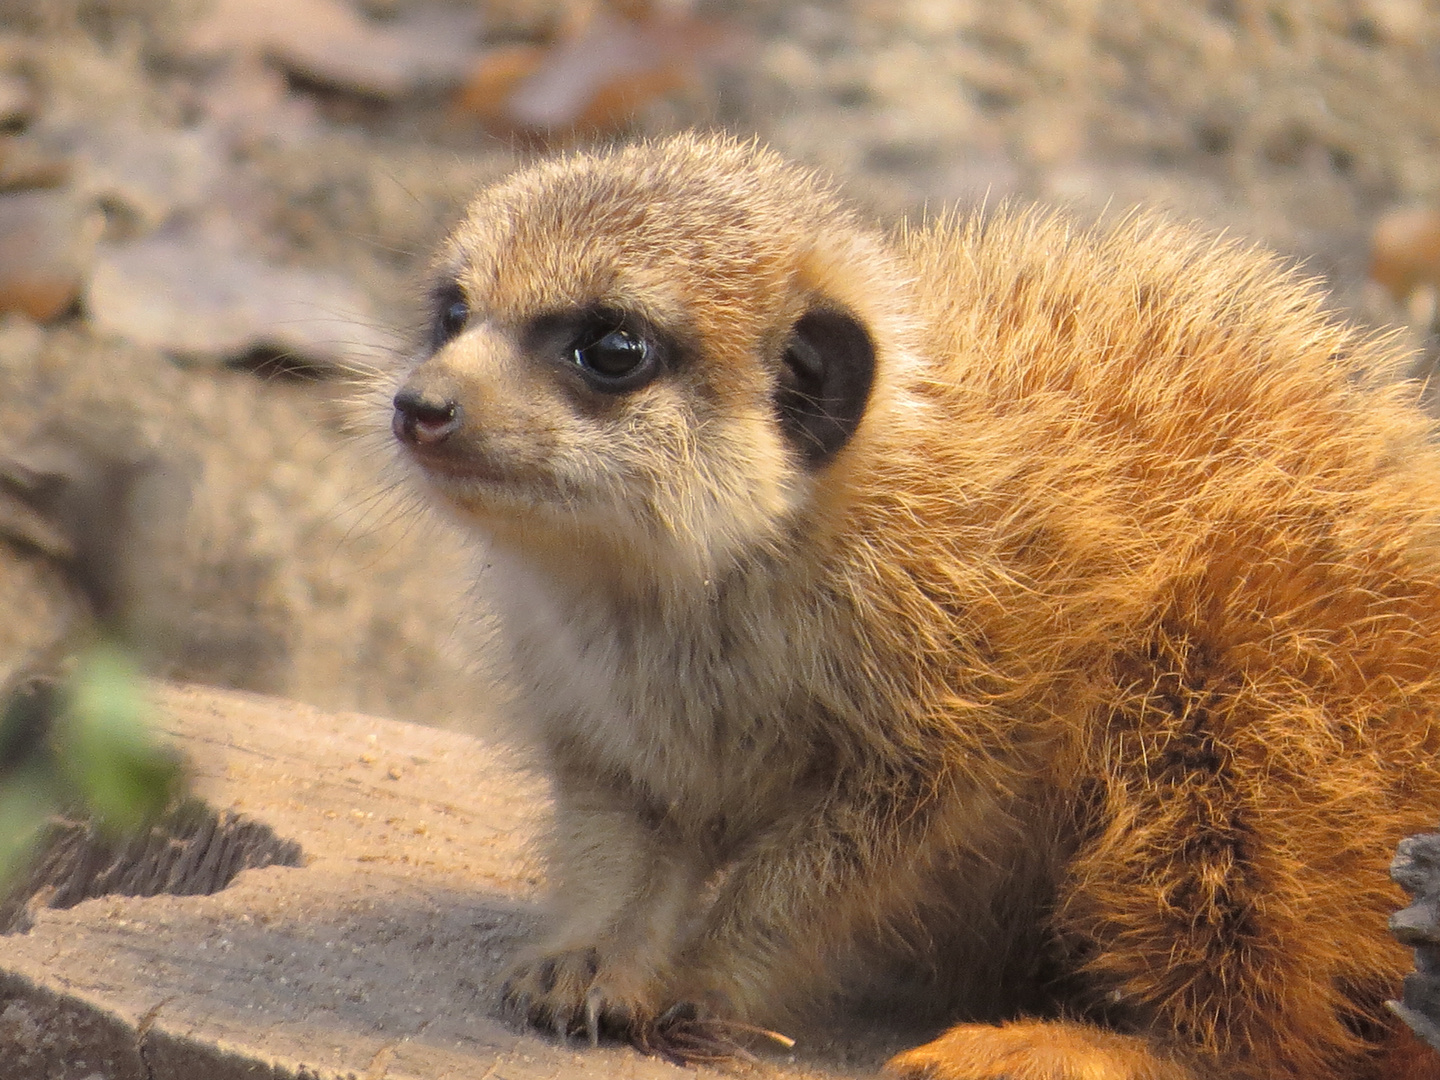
(461, 474)
(474, 480)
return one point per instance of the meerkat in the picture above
(1052, 613)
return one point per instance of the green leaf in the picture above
(123, 776)
(27, 800)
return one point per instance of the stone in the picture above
(45, 245)
(209, 300)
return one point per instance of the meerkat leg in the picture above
(620, 894)
(1198, 922)
(803, 891)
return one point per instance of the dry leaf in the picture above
(596, 79)
(329, 43)
(487, 91)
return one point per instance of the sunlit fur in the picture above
(1093, 678)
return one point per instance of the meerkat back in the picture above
(1055, 609)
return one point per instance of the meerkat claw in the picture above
(592, 1015)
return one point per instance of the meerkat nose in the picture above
(424, 418)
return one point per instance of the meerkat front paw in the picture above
(568, 991)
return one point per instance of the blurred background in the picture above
(213, 215)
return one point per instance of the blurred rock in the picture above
(21, 342)
(41, 612)
(24, 164)
(114, 139)
(1397, 21)
(17, 100)
(149, 172)
(105, 507)
(249, 102)
(190, 295)
(45, 248)
(1405, 260)
(329, 43)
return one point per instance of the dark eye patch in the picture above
(612, 352)
(449, 313)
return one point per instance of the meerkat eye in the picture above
(615, 361)
(451, 314)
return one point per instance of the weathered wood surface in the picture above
(378, 958)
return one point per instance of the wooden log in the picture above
(378, 957)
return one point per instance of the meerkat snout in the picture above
(424, 416)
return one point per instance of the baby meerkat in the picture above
(1055, 612)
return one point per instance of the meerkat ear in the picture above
(825, 378)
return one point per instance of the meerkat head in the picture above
(660, 347)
